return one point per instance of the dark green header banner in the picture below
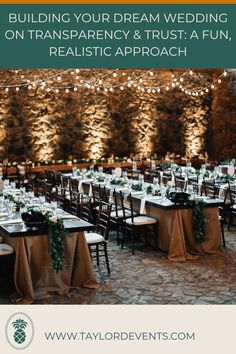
(117, 36)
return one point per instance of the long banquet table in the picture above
(34, 276)
(175, 232)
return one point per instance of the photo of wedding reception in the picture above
(118, 186)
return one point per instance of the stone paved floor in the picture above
(149, 278)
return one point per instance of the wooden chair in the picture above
(134, 225)
(97, 241)
(180, 183)
(85, 207)
(232, 215)
(212, 191)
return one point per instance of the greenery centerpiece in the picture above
(137, 186)
(118, 181)
(54, 225)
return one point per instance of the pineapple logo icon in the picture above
(19, 330)
(19, 334)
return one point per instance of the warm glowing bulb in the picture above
(181, 79)
(59, 78)
(151, 73)
(67, 90)
(6, 89)
(115, 74)
(225, 73)
(29, 87)
(17, 89)
(57, 90)
(77, 71)
(122, 88)
(212, 86)
(191, 72)
(153, 91)
(167, 88)
(158, 90)
(48, 89)
(75, 89)
(219, 81)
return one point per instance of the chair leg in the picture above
(97, 254)
(230, 221)
(106, 256)
(222, 233)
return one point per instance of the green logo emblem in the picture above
(19, 326)
(19, 330)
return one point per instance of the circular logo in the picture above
(19, 330)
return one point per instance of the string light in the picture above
(100, 82)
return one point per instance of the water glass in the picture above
(155, 181)
(42, 199)
(53, 205)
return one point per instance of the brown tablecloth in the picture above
(34, 276)
(176, 233)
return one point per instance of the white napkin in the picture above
(67, 216)
(222, 190)
(11, 221)
(143, 202)
(137, 193)
(81, 190)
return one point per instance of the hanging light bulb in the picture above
(153, 91)
(158, 90)
(75, 89)
(67, 90)
(77, 71)
(59, 77)
(225, 73)
(122, 88)
(167, 88)
(48, 89)
(114, 74)
(17, 88)
(6, 89)
(57, 90)
(212, 87)
(219, 81)
(151, 73)
(29, 87)
(190, 72)
(181, 79)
